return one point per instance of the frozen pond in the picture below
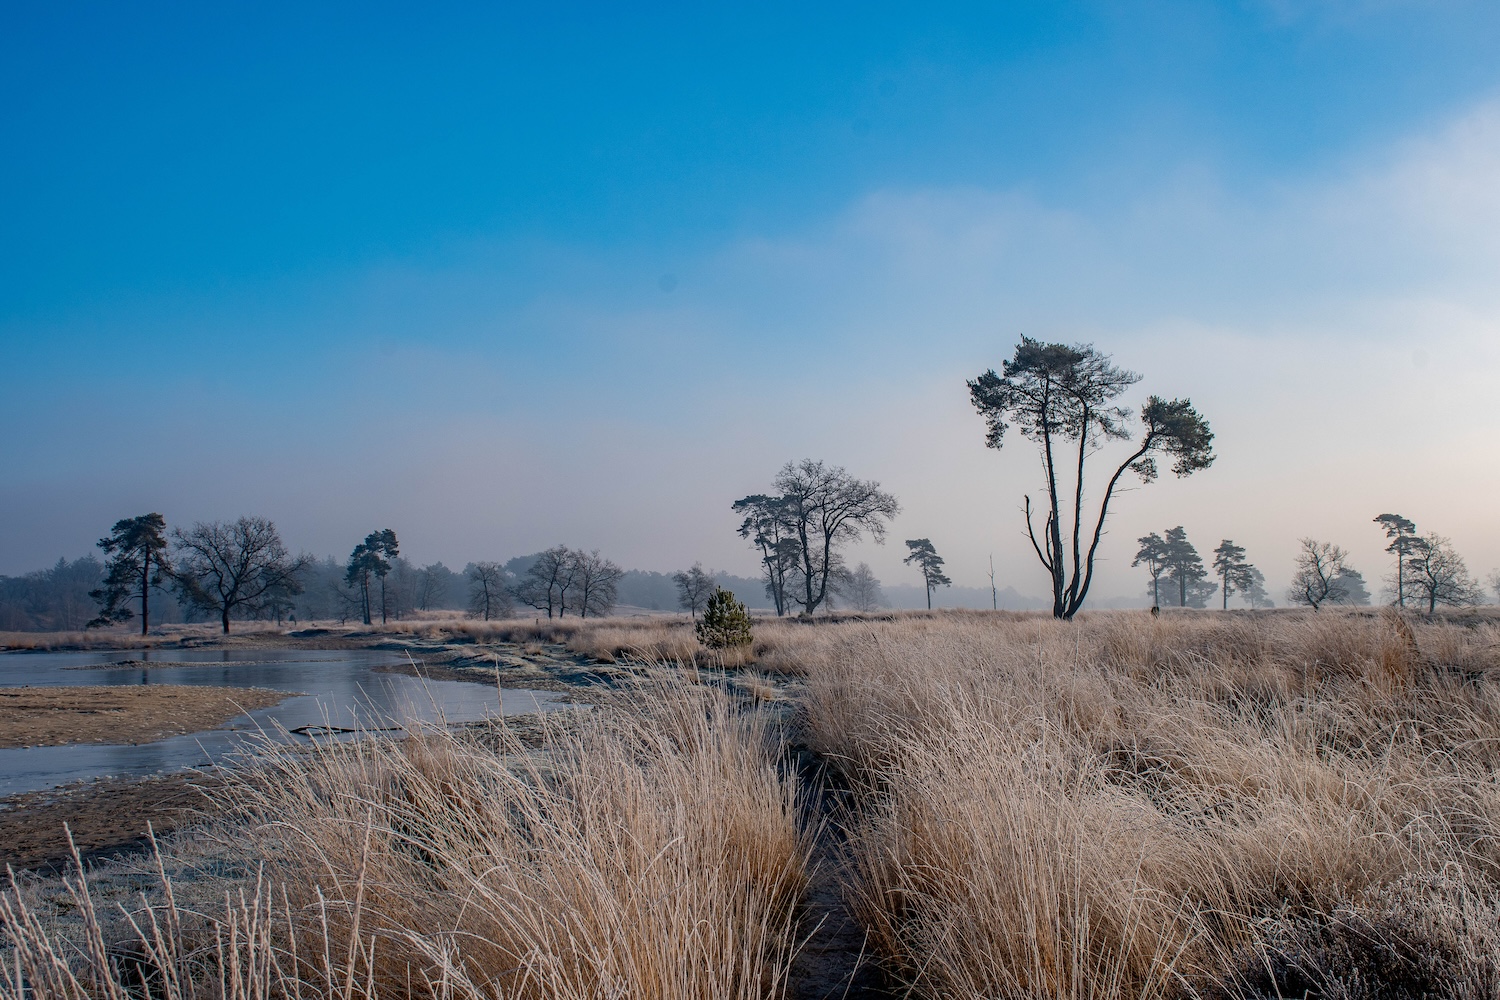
(340, 688)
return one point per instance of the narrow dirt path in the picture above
(835, 962)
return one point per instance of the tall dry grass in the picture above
(648, 850)
(1200, 805)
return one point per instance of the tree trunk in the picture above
(224, 617)
(382, 601)
(1225, 588)
(146, 592)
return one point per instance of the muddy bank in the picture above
(107, 817)
(56, 716)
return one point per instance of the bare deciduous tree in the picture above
(225, 567)
(860, 590)
(1318, 578)
(434, 587)
(1059, 396)
(1436, 574)
(694, 588)
(545, 585)
(488, 597)
(596, 581)
(824, 508)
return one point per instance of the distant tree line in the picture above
(1171, 559)
(53, 600)
(240, 570)
(1064, 399)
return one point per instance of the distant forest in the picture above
(57, 598)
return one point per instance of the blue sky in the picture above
(502, 277)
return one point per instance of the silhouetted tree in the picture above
(1353, 583)
(769, 527)
(242, 565)
(925, 556)
(694, 588)
(488, 597)
(1185, 569)
(1062, 396)
(860, 590)
(1317, 580)
(547, 581)
(137, 562)
(400, 587)
(372, 557)
(1152, 555)
(825, 508)
(1437, 575)
(435, 587)
(384, 542)
(596, 581)
(1402, 533)
(1233, 570)
(1256, 593)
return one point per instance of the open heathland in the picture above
(1200, 805)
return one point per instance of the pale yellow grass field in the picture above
(1201, 805)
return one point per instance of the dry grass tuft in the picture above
(1128, 807)
(648, 850)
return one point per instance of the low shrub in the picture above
(725, 622)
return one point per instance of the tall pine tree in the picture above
(138, 562)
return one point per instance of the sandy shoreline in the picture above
(55, 716)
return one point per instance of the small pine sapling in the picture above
(725, 622)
